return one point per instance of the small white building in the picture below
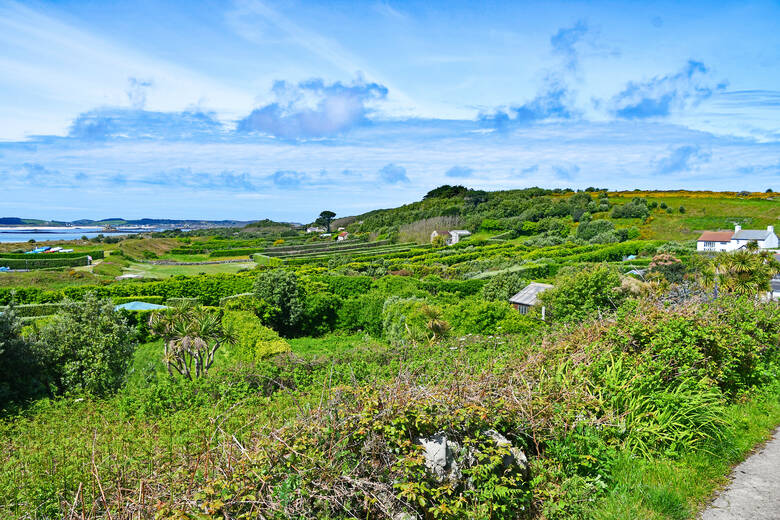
(315, 229)
(441, 233)
(450, 237)
(720, 241)
(457, 234)
(342, 236)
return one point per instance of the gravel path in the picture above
(754, 491)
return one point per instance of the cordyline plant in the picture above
(191, 337)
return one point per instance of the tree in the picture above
(191, 337)
(282, 289)
(325, 218)
(86, 348)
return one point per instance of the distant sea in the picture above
(43, 235)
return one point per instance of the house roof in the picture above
(751, 234)
(442, 232)
(528, 296)
(716, 236)
(460, 232)
(343, 234)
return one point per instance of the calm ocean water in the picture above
(70, 234)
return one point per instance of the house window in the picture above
(709, 245)
(523, 309)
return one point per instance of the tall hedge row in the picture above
(208, 288)
(36, 262)
(98, 253)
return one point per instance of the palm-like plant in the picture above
(434, 322)
(745, 272)
(191, 337)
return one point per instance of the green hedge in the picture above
(98, 253)
(34, 309)
(235, 252)
(261, 259)
(208, 288)
(157, 300)
(182, 301)
(42, 263)
(254, 341)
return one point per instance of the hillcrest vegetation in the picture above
(533, 354)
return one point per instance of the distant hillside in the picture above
(671, 215)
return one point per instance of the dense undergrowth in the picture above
(632, 415)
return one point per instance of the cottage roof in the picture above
(442, 232)
(716, 236)
(460, 232)
(528, 296)
(751, 234)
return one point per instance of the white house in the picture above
(457, 234)
(450, 237)
(718, 241)
(342, 236)
(441, 233)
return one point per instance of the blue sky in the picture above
(256, 109)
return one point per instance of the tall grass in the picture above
(421, 230)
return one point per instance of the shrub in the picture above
(254, 342)
(21, 376)
(578, 292)
(87, 347)
(402, 321)
(320, 313)
(637, 208)
(282, 289)
(363, 312)
(503, 286)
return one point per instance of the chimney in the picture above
(771, 229)
(737, 228)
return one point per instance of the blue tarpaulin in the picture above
(139, 306)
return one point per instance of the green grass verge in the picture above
(679, 489)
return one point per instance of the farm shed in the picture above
(528, 297)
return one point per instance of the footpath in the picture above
(754, 490)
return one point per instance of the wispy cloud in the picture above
(288, 179)
(189, 179)
(136, 92)
(393, 174)
(565, 40)
(460, 172)
(658, 96)
(681, 159)
(106, 123)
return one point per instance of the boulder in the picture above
(515, 457)
(440, 457)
